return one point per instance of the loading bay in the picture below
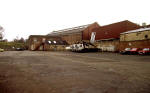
(68, 72)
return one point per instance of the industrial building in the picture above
(139, 38)
(75, 34)
(44, 43)
(108, 36)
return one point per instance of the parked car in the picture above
(19, 49)
(1, 50)
(144, 51)
(134, 50)
(125, 51)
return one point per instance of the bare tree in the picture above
(1, 32)
(16, 39)
(21, 40)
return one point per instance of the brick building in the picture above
(75, 34)
(44, 43)
(108, 36)
(139, 38)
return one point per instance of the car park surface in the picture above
(69, 72)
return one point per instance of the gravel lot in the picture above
(67, 72)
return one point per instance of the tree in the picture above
(21, 40)
(4, 40)
(1, 32)
(17, 40)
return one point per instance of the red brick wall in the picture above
(72, 38)
(114, 30)
(79, 36)
(39, 40)
(87, 32)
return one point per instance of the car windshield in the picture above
(146, 49)
(127, 49)
(134, 48)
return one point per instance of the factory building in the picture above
(139, 38)
(108, 36)
(75, 34)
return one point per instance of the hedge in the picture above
(10, 45)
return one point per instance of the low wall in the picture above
(108, 45)
(134, 44)
(54, 47)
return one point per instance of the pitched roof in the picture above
(31, 36)
(113, 31)
(69, 30)
(137, 30)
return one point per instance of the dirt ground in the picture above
(67, 72)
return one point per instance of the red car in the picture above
(134, 50)
(144, 51)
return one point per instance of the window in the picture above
(146, 36)
(35, 39)
(146, 49)
(43, 39)
(134, 49)
(49, 42)
(54, 42)
(127, 49)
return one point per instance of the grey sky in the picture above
(25, 17)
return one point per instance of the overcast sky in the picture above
(38, 17)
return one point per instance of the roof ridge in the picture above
(136, 30)
(73, 27)
(117, 23)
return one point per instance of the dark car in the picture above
(134, 50)
(144, 51)
(125, 51)
(20, 49)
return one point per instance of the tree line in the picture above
(17, 39)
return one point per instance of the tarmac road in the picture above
(67, 72)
